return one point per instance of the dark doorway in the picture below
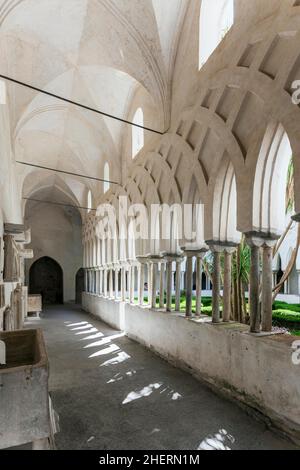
(46, 278)
(79, 286)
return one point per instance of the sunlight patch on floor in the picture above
(220, 441)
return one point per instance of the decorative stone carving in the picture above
(11, 260)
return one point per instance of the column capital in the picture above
(171, 256)
(142, 259)
(154, 258)
(219, 246)
(261, 239)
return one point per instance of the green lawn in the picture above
(287, 315)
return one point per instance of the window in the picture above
(106, 176)
(216, 18)
(89, 201)
(137, 132)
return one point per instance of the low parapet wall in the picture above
(258, 371)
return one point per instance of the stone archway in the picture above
(46, 278)
(79, 286)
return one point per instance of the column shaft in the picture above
(216, 288)
(132, 281)
(111, 285)
(123, 284)
(162, 286)
(227, 287)
(198, 286)
(154, 268)
(189, 285)
(178, 285)
(254, 291)
(169, 286)
(116, 284)
(141, 283)
(266, 306)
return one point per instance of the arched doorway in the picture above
(46, 278)
(79, 286)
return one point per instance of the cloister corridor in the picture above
(112, 393)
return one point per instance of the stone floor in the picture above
(112, 393)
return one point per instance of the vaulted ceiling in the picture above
(97, 52)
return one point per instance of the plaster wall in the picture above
(56, 233)
(257, 371)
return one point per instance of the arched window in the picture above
(216, 18)
(89, 201)
(106, 176)
(137, 132)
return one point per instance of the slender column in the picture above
(169, 285)
(97, 281)
(93, 281)
(266, 305)
(123, 283)
(154, 271)
(162, 285)
(227, 285)
(101, 281)
(85, 281)
(216, 287)
(141, 283)
(105, 282)
(198, 285)
(254, 289)
(298, 272)
(189, 284)
(149, 278)
(132, 281)
(116, 283)
(178, 285)
(111, 286)
(128, 283)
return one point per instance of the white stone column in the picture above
(141, 281)
(199, 265)
(105, 282)
(162, 285)
(261, 316)
(216, 251)
(228, 251)
(132, 283)
(178, 284)
(255, 245)
(169, 284)
(117, 282)
(189, 282)
(101, 281)
(154, 271)
(149, 279)
(267, 293)
(123, 283)
(111, 283)
(298, 272)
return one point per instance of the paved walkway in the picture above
(112, 393)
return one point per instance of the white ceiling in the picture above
(97, 52)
